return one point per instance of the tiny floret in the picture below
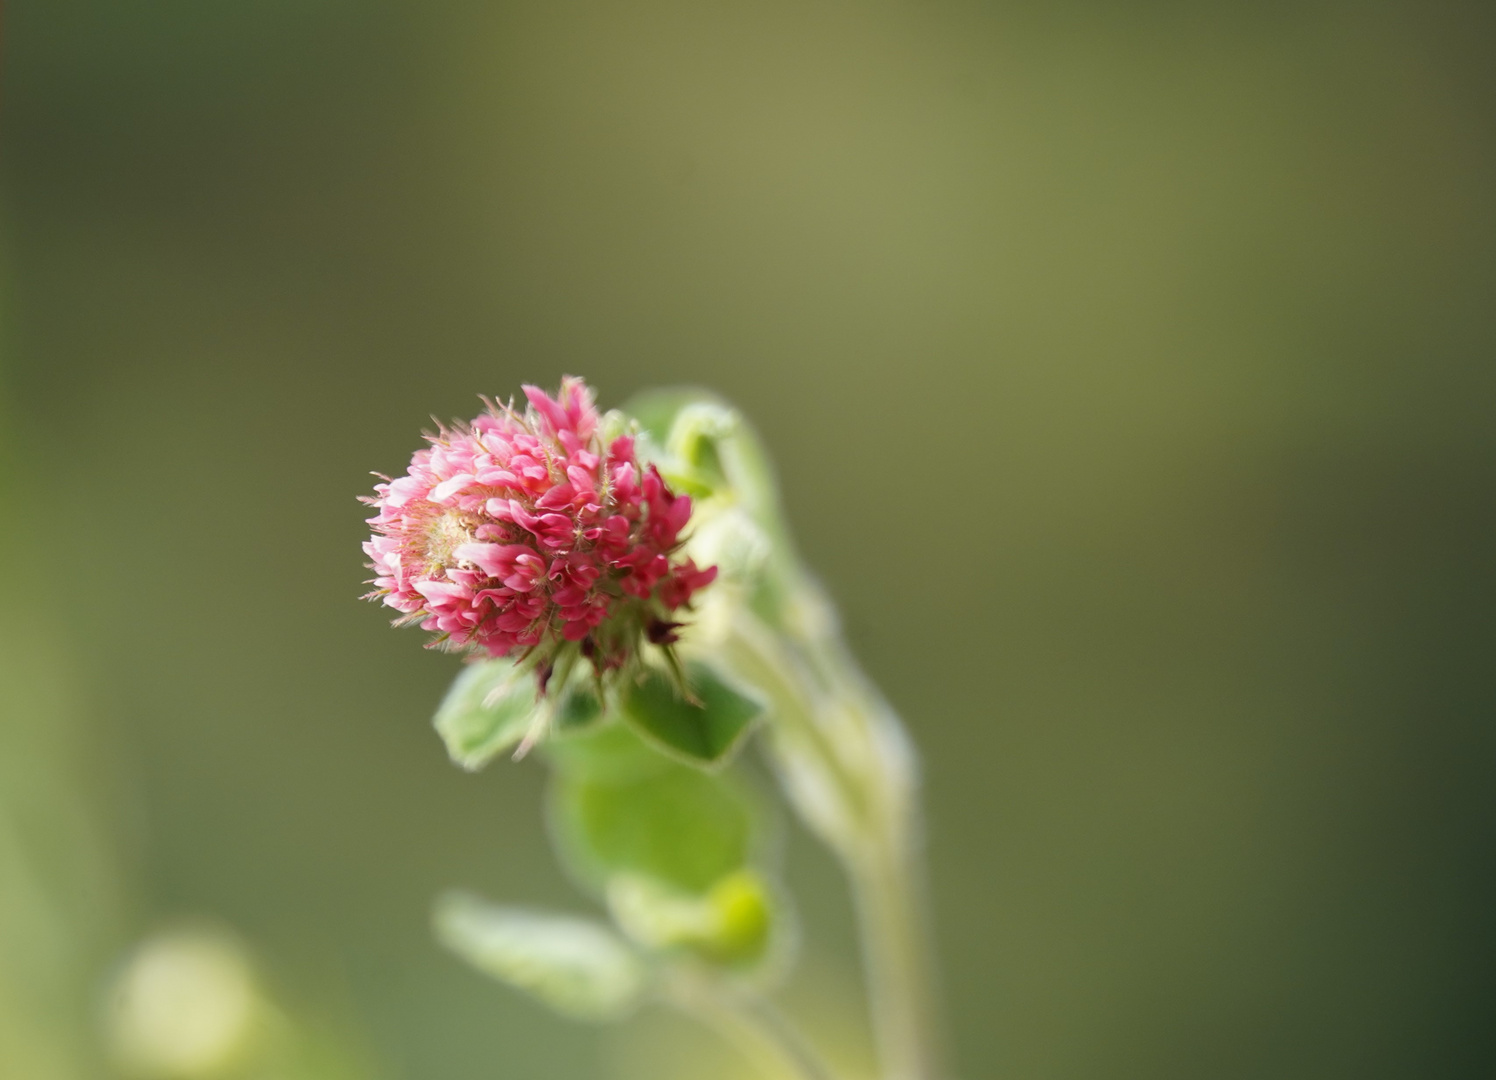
(526, 534)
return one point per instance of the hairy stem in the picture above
(886, 891)
(850, 771)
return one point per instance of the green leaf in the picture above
(656, 410)
(488, 709)
(608, 752)
(681, 428)
(704, 734)
(576, 966)
(580, 709)
(682, 826)
(730, 924)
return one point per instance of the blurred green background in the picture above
(1130, 369)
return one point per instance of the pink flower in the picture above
(520, 533)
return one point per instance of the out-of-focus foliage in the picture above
(59, 886)
(1128, 367)
(75, 1004)
(183, 1005)
(56, 897)
(186, 1003)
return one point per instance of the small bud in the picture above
(662, 631)
(730, 923)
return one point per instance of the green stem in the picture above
(885, 889)
(748, 1022)
(831, 718)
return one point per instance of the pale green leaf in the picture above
(488, 709)
(576, 966)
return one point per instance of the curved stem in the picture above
(833, 720)
(885, 889)
(748, 1022)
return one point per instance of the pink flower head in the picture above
(519, 533)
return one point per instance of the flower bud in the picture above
(535, 535)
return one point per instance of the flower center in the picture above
(446, 533)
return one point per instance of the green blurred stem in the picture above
(850, 771)
(885, 889)
(747, 1021)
